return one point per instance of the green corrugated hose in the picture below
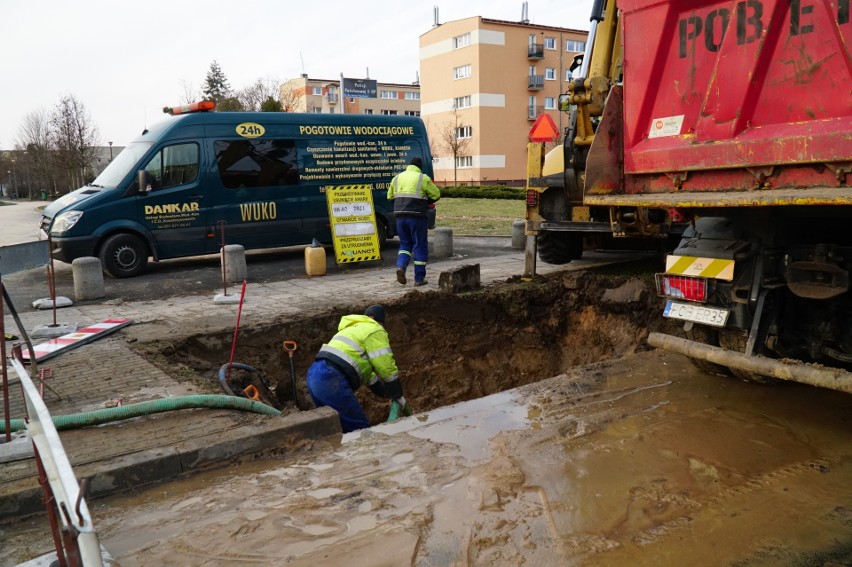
(397, 411)
(147, 408)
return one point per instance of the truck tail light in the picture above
(682, 287)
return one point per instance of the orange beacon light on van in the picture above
(200, 106)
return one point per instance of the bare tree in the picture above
(190, 92)
(33, 145)
(289, 98)
(75, 139)
(254, 96)
(454, 136)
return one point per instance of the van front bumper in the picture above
(68, 248)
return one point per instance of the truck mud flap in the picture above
(812, 374)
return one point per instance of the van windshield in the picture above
(123, 163)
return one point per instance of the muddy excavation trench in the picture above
(449, 348)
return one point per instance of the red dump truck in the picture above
(735, 117)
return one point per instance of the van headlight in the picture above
(66, 221)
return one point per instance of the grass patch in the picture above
(479, 217)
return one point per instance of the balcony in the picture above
(535, 51)
(332, 98)
(536, 82)
(533, 111)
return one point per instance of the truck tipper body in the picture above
(736, 118)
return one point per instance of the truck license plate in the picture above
(696, 313)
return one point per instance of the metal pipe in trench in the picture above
(823, 377)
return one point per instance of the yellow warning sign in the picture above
(353, 223)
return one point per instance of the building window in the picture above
(461, 41)
(575, 46)
(389, 112)
(412, 113)
(550, 73)
(316, 91)
(368, 111)
(461, 72)
(464, 132)
(316, 110)
(464, 161)
(462, 102)
(412, 96)
(390, 94)
(550, 43)
(549, 103)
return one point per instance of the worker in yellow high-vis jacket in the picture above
(360, 353)
(411, 192)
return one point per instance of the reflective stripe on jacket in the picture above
(411, 192)
(361, 350)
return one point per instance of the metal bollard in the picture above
(519, 238)
(88, 278)
(233, 257)
(442, 242)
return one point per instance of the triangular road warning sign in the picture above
(543, 129)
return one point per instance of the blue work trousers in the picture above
(413, 233)
(328, 386)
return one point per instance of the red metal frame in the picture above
(762, 86)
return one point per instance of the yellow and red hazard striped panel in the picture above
(700, 267)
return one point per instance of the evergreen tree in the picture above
(216, 85)
(270, 105)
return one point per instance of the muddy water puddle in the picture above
(641, 461)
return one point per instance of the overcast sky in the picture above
(125, 61)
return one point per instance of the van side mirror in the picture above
(145, 181)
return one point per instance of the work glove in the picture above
(378, 388)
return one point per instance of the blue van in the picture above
(258, 179)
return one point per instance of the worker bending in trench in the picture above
(360, 353)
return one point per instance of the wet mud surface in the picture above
(546, 434)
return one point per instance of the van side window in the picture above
(257, 163)
(174, 165)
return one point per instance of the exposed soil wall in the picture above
(452, 348)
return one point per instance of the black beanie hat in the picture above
(416, 162)
(377, 312)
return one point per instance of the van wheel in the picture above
(123, 255)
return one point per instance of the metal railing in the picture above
(535, 82)
(74, 535)
(533, 111)
(535, 51)
(332, 98)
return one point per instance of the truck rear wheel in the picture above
(123, 255)
(559, 247)
(710, 337)
(736, 341)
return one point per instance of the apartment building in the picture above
(484, 82)
(304, 94)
